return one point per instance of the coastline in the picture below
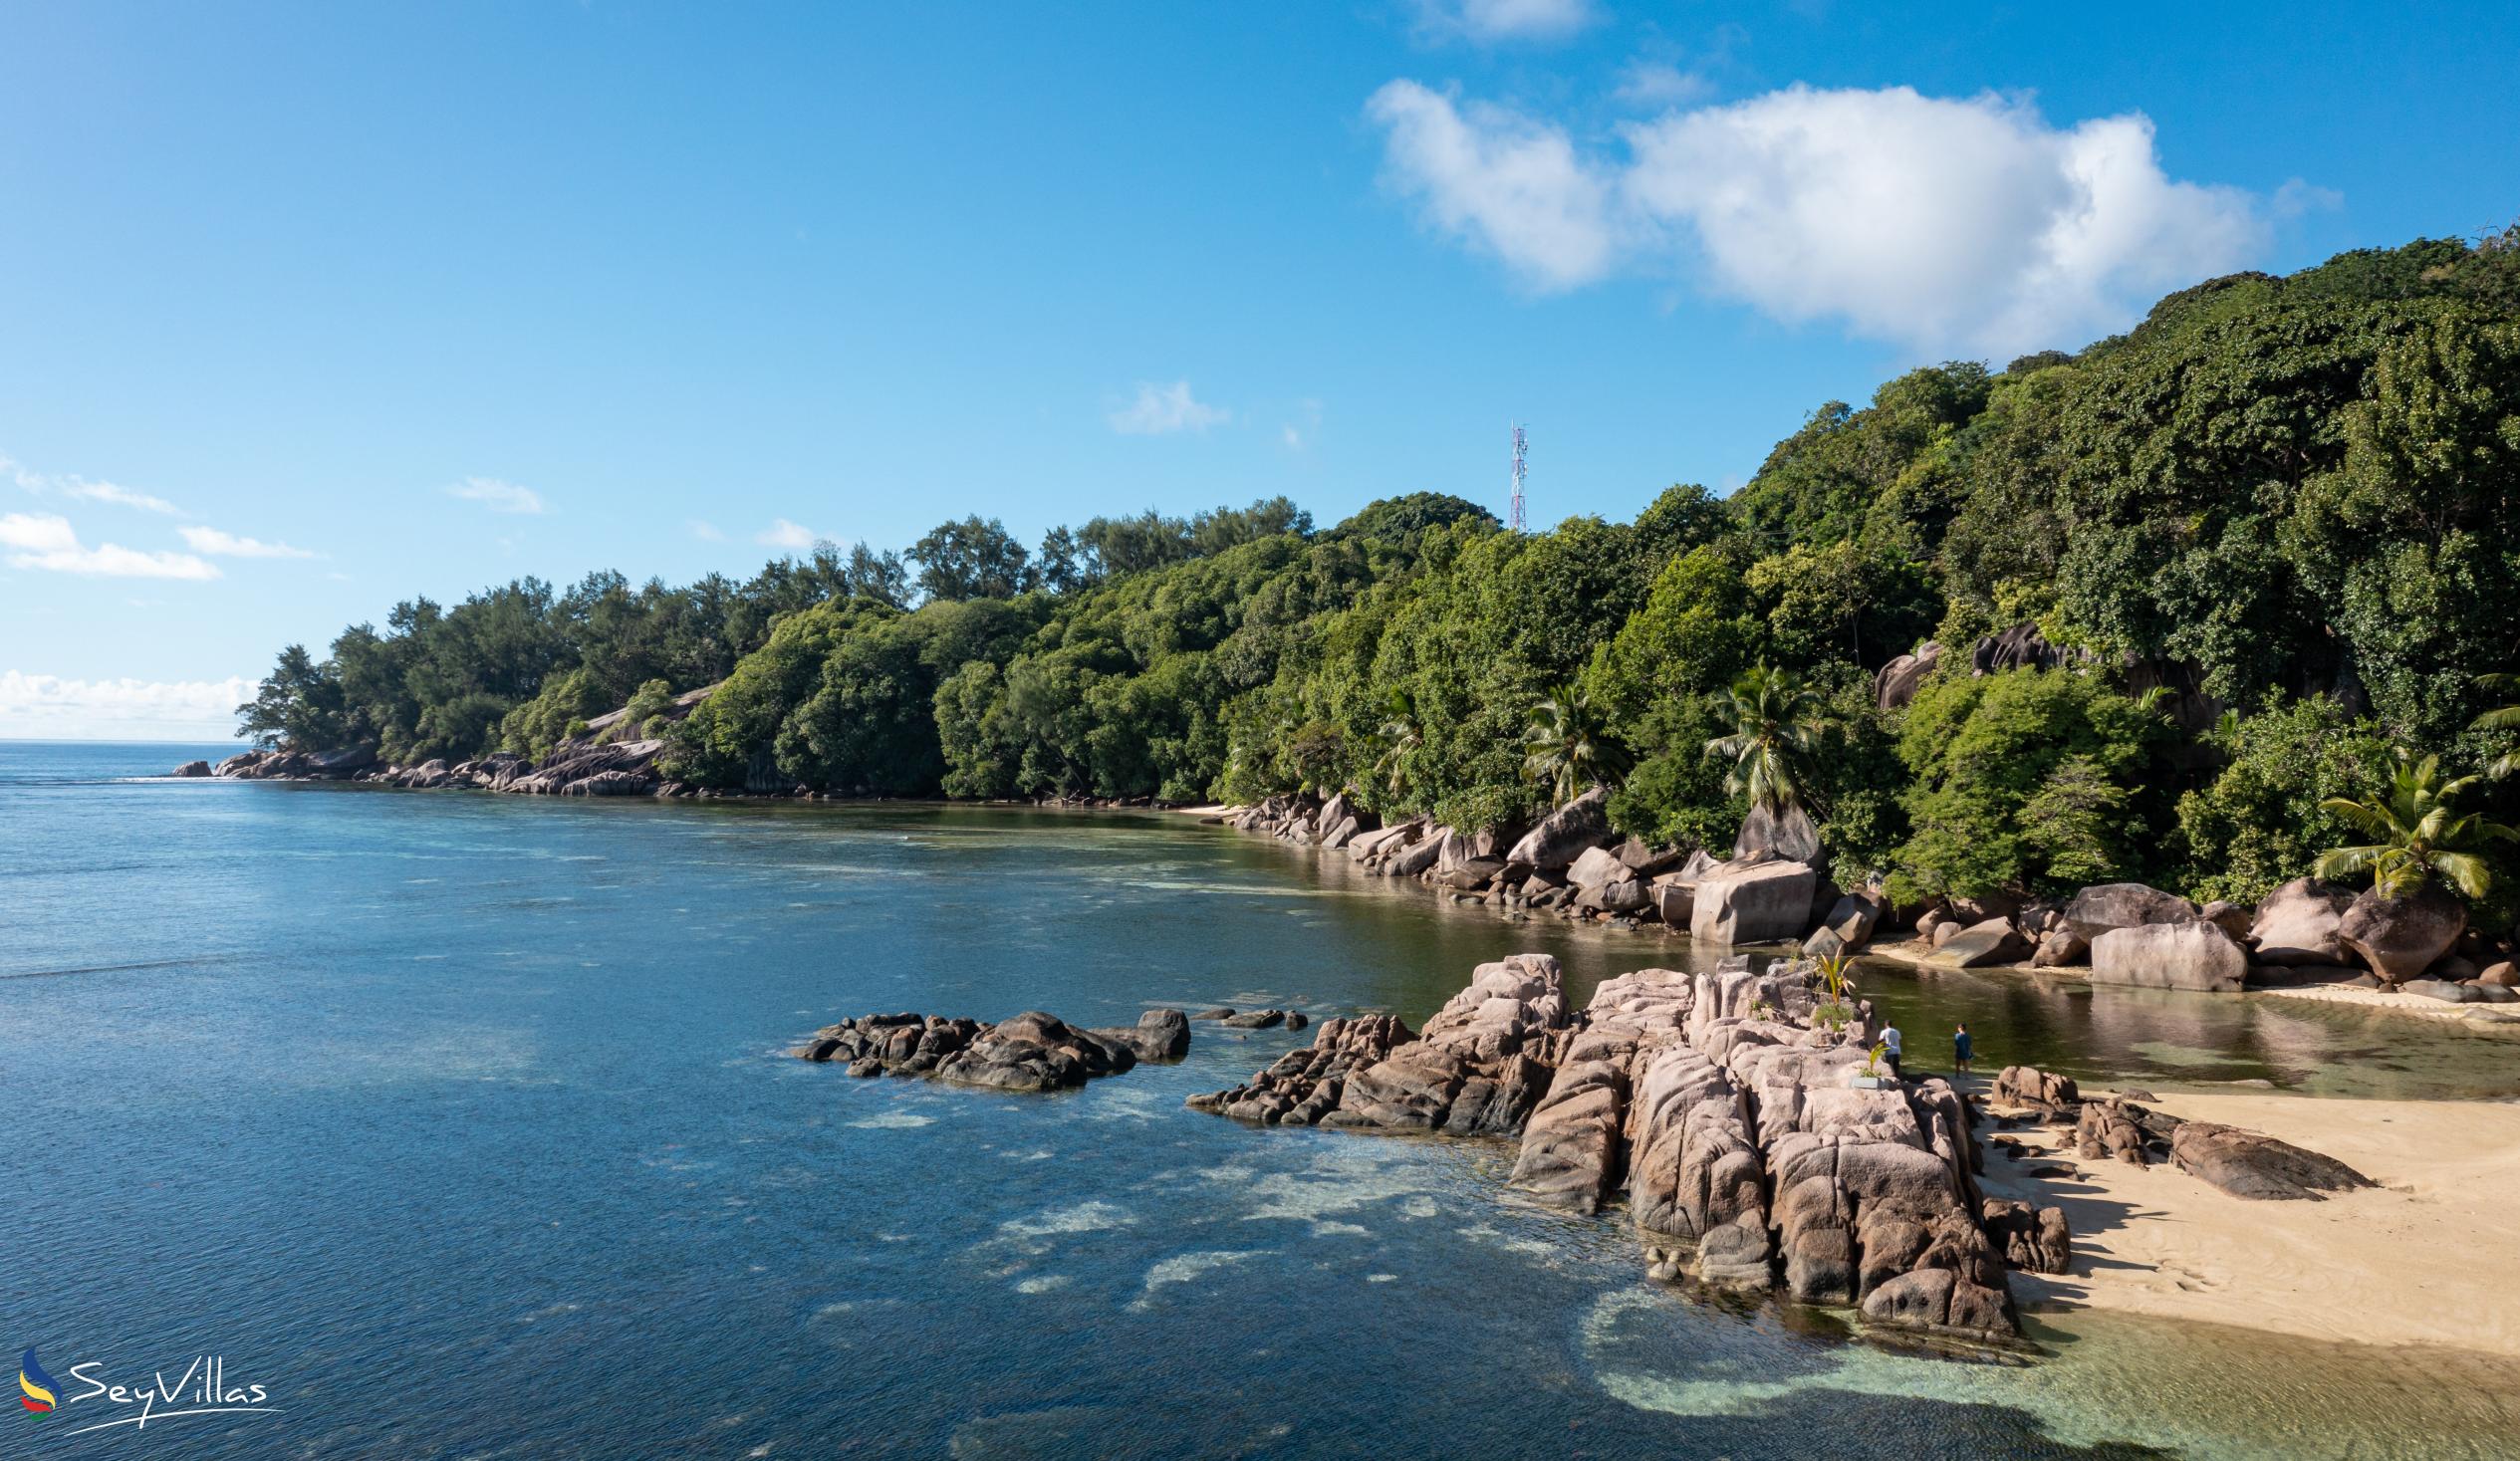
(2417, 1261)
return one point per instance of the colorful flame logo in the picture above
(36, 1383)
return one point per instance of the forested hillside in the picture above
(2267, 539)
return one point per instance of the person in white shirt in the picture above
(1889, 1047)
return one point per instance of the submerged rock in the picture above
(1159, 1035)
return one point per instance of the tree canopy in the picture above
(2295, 500)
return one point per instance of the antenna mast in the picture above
(1515, 512)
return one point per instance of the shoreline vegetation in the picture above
(2211, 608)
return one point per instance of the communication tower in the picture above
(1515, 512)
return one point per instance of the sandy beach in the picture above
(2419, 1260)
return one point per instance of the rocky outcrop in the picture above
(1477, 1067)
(1849, 924)
(1305, 1085)
(1898, 682)
(1751, 902)
(2400, 938)
(622, 768)
(1035, 1052)
(191, 769)
(1263, 1019)
(1564, 835)
(2034, 1240)
(1032, 1051)
(2059, 947)
(2110, 906)
(1788, 835)
(1697, 1095)
(2256, 1167)
(1159, 1035)
(2020, 647)
(2120, 1129)
(2028, 1086)
(2194, 956)
(1574, 1145)
(340, 764)
(1994, 941)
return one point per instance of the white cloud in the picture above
(1651, 83)
(1938, 225)
(498, 496)
(1507, 20)
(80, 487)
(34, 706)
(1493, 179)
(785, 533)
(228, 545)
(121, 496)
(1160, 409)
(704, 531)
(44, 540)
(1299, 434)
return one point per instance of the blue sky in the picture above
(308, 309)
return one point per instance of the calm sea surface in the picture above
(460, 1124)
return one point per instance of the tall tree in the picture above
(1569, 745)
(1776, 721)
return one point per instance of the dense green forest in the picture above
(2268, 539)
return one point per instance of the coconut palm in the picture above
(1401, 734)
(2503, 717)
(1776, 723)
(1570, 745)
(2415, 834)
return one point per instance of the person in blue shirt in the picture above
(1960, 1047)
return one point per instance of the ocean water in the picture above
(461, 1125)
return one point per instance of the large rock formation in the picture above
(1751, 902)
(2400, 938)
(1787, 835)
(1477, 1067)
(1849, 924)
(1899, 680)
(2256, 1167)
(2194, 956)
(1564, 835)
(191, 769)
(1698, 1096)
(1994, 941)
(2096, 911)
(1031, 1051)
(2297, 923)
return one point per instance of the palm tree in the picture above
(1570, 745)
(2415, 835)
(1776, 723)
(2505, 718)
(1401, 735)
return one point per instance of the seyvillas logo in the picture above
(203, 1389)
(37, 1385)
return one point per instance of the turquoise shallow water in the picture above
(459, 1123)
